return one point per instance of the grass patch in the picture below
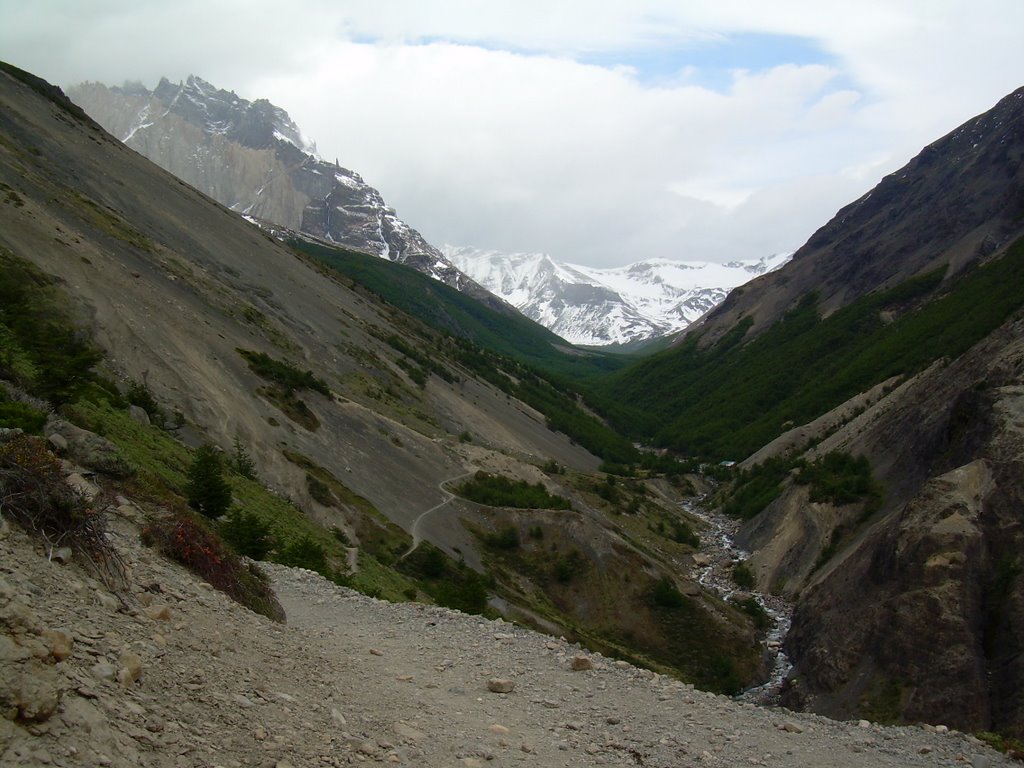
(160, 461)
(282, 373)
(497, 491)
(41, 349)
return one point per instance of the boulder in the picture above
(89, 449)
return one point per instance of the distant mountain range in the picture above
(251, 157)
(617, 305)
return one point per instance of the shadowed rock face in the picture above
(920, 615)
(251, 157)
(956, 203)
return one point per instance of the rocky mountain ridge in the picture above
(951, 207)
(251, 157)
(616, 305)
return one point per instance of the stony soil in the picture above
(178, 675)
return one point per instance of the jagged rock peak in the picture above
(257, 124)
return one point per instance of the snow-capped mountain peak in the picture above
(618, 305)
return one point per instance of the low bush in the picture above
(758, 615)
(34, 493)
(305, 553)
(282, 373)
(191, 541)
(249, 535)
(682, 533)
(665, 594)
(497, 491)
(450, 583)
(507, 538)
(743, 576)
(14, 415)
(138, 394)
(839, 478)
(757, 487)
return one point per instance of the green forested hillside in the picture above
(444, 308)
(726, 401)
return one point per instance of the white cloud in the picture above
(482, 124)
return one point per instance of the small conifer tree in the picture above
(241, 461)
(208, 491)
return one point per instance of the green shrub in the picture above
(305, 553)
(757, 487)
(757, 614)
(664, 594)
(14, 415)
(249, 535)
(241, 462)
(285, 374)
(507, 538)
(568, 567)
(743, 576)
(467, 594)
(208, 492)
(451, 584)
(138, 394)
(682, 533)
(496, 491)
(839, 478)
(189, 540)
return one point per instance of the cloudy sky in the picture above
(600, 132)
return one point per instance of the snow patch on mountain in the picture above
(618, 305)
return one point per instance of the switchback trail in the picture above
(416, 524)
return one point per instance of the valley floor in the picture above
(181, 676)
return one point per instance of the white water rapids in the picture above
(713, 568)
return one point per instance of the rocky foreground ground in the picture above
(178, 675)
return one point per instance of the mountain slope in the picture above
(955, 204)
(361, 420)
(620, 305)
(252, 158)
(875, 384)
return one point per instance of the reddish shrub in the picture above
(190, 541)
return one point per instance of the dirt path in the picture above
(418, 522)
(186, 678)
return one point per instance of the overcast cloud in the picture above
(599, 132)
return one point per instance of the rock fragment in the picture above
(581, 663)
(500, 685)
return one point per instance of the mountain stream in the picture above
(713, 567)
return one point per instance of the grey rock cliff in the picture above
(251, 157)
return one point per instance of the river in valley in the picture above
(713, 568)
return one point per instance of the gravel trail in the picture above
(177, 676)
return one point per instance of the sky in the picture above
(599, 132)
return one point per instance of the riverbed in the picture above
(713, 569)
